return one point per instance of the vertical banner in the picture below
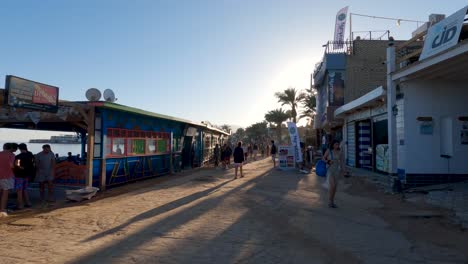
(294, 134)
(340, 26)
(336, 88)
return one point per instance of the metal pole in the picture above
(391, 105)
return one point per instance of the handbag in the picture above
(321, 167)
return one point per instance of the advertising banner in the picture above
(24, 93)
(340, 26)
(336, 88)
(444, 34)
(294, 134)
(286, 157)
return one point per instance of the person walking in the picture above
(216, 155)
(223, 156)
(334, 158)
(238, 159)
(255, 151)
(7, 178)
(273, 152)
(25, 170)
(267, 150)
(45, 168)
(227, 156)
(245, 148)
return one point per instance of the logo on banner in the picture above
(340, 26)
(295, 141)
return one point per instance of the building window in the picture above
(124, 142)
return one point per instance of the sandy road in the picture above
(269, 216)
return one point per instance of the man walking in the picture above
(238, 159)
(25, 170)
(45, 166)
(216, 155)
(7, 178)
(273, 152)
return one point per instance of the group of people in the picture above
(240, 155)
(250, 151)
(16, 172)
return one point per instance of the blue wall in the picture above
(335, 61)
(125, 169)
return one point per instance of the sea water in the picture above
(61, 149)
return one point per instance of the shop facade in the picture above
(365, 131)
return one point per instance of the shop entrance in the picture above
(380, 145)
(187, 153)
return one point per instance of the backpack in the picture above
(273, 149)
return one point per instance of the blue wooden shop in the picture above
(119, 143)
(128, 144)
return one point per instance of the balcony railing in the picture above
(338, 47)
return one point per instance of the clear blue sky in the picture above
(216, 60)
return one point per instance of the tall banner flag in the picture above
(294, 134)
(340, 26)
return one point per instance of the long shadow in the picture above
(159, 228)
(263, 228)
(159, 210)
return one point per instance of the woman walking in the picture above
(238, 159)
(334, 158)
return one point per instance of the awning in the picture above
(368, 100)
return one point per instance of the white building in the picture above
(424, 105)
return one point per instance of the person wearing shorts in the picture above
(273, 152)
(7, 178)
(45, 172)
(238, 159)
(25, 170)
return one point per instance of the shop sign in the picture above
(426, 128)
(444, 34)
(28, 94)
(286, 157)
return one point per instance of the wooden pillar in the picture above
(90, 155)
(171, 159)
(103, 177)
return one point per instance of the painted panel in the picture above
(364, 143)
(351, 144)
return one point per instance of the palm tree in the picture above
(291, 97)
(257, 131)
(277, 116)
(309, 103)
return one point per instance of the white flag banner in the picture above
(294, 134)
(340, 26)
